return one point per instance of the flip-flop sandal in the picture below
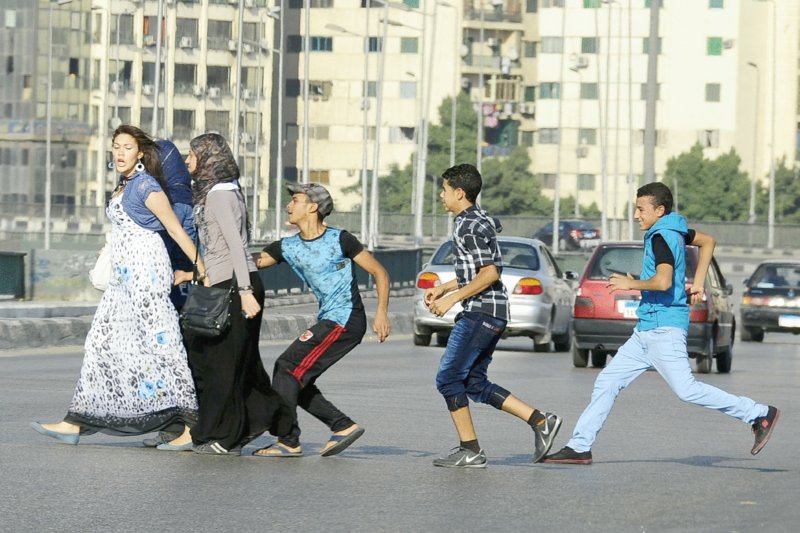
(281, 450)
(342, 442)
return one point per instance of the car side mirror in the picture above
(745, 280)
(728, 288)
(570, 275)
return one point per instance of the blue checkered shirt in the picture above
(475, 246)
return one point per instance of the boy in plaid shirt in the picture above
(463, 369)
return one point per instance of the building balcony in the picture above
(493, 18)
(473, 64)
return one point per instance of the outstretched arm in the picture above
(380, 323)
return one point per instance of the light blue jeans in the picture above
(665, 350)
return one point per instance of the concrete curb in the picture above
(23, 333)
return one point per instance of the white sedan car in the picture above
(539, 295)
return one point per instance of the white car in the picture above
(538, 292)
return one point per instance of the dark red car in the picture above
(603, 321)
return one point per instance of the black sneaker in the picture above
(567, 455)
(215, 448)
(762, 428)
(544, 435)
(462, 458)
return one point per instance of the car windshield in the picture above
(515, 255)
(776, 275)
(625, 259)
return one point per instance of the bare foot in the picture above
(185, 438)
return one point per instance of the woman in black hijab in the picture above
(237, 403)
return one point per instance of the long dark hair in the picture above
(149, 149)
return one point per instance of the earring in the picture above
(110, 165)
(139, 166)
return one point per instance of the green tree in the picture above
(709, 189)
(787, 194)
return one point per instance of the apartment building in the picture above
(24, 45)
(413, 54)
(715, 87)
(215, 60)
(564, 78)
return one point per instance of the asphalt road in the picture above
(660, 464)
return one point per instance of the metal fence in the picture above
(74, 225)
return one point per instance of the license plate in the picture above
(789, 321)
(627, 308)
(589, 243)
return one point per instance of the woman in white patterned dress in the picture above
(135, 377)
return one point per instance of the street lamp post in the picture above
(157, 70)
(48, 182)
(306, 87)
(365, 126)
(557, 184)
(238, 89)
(479, 142)
(752, 213)
(281, 89)
(774, 68)
(373, 213)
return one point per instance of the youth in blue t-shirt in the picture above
(659, 339)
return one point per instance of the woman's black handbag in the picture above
(206, 312)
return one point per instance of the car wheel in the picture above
(441, 339)
(746, 334)
(599, 358)
(422, 340)
(541, 348)
(562, 343)
(580, 357)
(756, 334)
(724, 360)
(704, 363)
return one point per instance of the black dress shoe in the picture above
(567, 455)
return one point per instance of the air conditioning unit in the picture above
(249, 3)
(246, 138)
(197, 90)
(214, 92)
(582, 151)
(116, 86)
(247, 94)
(581, 62)
(233, 2)
(232, 45)
(147, 89)
(149, 40)
(527, 108)
(491, 42)
(186, 42)
(247, 48)
(727, 44)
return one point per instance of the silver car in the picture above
(539, 295)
